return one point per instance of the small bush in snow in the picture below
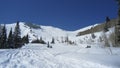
(93, 35)
(88, 47)
(36, 41)
(53, 41)
(48, 45)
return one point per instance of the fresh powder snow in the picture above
(61, 55)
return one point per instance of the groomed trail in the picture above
(60, 56)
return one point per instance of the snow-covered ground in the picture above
(48, 32)
(60, 56)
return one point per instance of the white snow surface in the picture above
(60, 56)
(49, 32)
(46, 32)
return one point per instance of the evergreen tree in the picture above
(10, 41)
(53, 41)
(42, 41)
(0, 42)
(25, 39)
(0, 29)
(107, 19)
(117, 27)
(0, 35)
(106, 24)
(3, 42)
(17, 36)
(67, 39)
(48, 45)
(93, 35)
(118, 12)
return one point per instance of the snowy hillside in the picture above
(49, 32)
(62, 54)
(46, 32)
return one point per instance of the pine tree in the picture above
(17, 36)
(117, 28)
(48, 45)
(0, 42)
(53, 41)
(93, 35)
(106, 24)
(42, 41)
(67, 39)
(3, 38)
(0, 29)
(25, 39)
(0, 35)
(107, 19)
(10, 41)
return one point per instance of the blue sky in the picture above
(65, 14)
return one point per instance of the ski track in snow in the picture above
(42, 57)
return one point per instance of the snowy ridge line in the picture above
(49, 32)
(71, 54)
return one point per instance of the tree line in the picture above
(14, 39)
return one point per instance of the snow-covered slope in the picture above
(49, 32)
(61, 55)
(85, 28)
(46, 32)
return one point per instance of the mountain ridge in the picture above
(60, 35)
